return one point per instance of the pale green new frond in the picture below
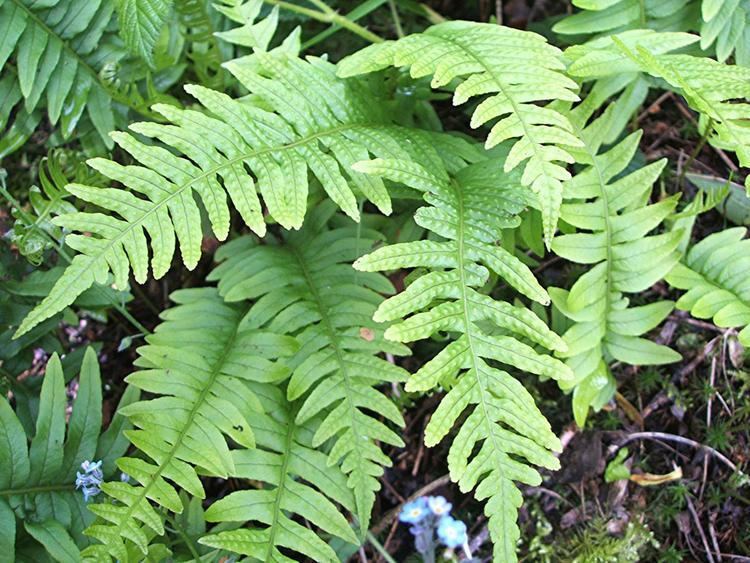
(718, 91)
(53, 46)
(305, 123)
(504, 435)
(37, 481)
(518, 69)
(723, 24)
(714, 273)
(197, 363)
(614, 218)
(306, 287)
(253, 33)
(299, 482)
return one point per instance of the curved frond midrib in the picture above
(468, 325)
(286, 456)
(228, 163)
(326, 321)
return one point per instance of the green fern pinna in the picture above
(376, 256)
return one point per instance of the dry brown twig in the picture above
(656, 436)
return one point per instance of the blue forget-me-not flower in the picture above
(415, 511)
(90, 480)
(451, 532)
(439, 506)
(429, 516)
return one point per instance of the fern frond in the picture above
(614, 218)
(141, 24)
(253, 33)
(306, 287)
(54, 43)
(716, 90)
(714, 273)
(518, 69)
(37, 482)
(504, 434)
(299, 482)
(306, 122)
(197, 362)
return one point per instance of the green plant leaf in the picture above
(38, 486)
(141, 22)
(714, 274)
(307, 288)
(282, 146)
(55, 540)
(202, 402)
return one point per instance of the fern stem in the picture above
(396, 19)
(326, 14)
(283, 471)
(694, 154)
(185, 538)
(58, 488)
(357, 13)
(379, 547)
